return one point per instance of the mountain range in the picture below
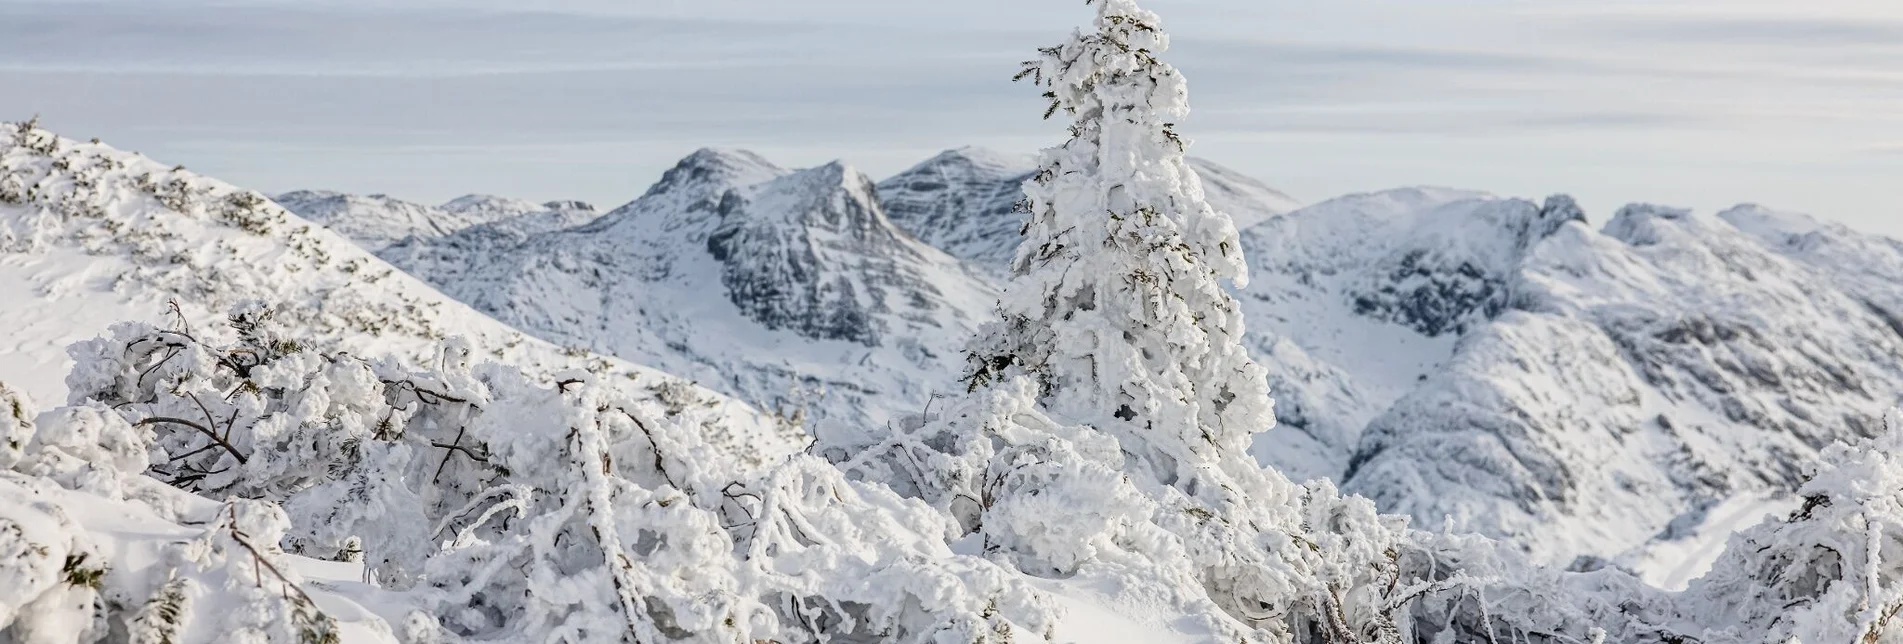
(1616, 392)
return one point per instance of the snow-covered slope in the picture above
(90, 235)
(789, 288)
(963, 201)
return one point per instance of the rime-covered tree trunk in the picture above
(1115, 305)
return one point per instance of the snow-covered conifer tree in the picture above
(1117, 313)
(1115, 305)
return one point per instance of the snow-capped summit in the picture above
(488, 207)
(372, 220)
(710, 172)
(1642, 224)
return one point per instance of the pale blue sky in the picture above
(1701, 103)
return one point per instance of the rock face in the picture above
(964, 202)
(788, 288)
(812, 252)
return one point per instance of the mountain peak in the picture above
(716, 166)
(1554, 213)
(307, 195)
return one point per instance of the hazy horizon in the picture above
(1696, 103)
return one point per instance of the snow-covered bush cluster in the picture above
(505, 508)
(1103, 442)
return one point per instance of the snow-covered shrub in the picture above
(50, 575)
(1832, 572)
(58, 586)
(627, 521)
(518, 509)
(333, 437)
(1131, 448)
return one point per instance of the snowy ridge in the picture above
(372, 220)
(96, 235)
(379, 221)
(1495, 361)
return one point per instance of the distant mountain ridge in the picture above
(377, 221)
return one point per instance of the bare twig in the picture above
(658, 464)
(201, 429)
